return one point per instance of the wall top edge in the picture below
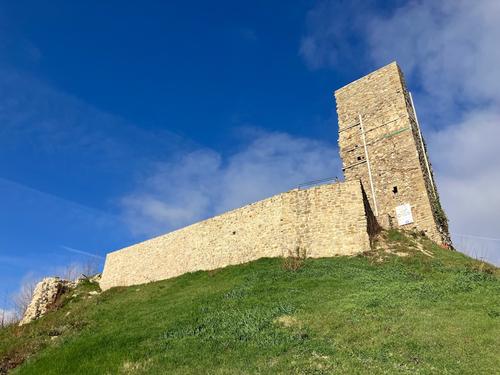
(318, 187)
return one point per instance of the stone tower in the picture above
(381, 144)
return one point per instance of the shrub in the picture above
(295, 259)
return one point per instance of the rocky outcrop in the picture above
(44, 298)
(47, 292)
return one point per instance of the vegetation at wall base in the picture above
(408, 306)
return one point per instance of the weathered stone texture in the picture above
(44, 296)
(323, 221)
(396, 157)
(327, 220)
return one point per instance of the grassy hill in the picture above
(407, 307)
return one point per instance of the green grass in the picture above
(378, 313)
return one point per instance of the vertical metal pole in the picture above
(369, 167)
(423, 147)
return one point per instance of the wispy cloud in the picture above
(203, 183)
(48, 122)
(57, 200)
(34, 223)
(66, 150)
(448, 47)
(250, 35)
(9, 260)
(333, 31)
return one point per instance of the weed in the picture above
(295, 259)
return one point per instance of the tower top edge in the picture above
(391, 65)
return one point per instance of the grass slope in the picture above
(376, 313)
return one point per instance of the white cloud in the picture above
(203, 183)
(174, 193)
(449, 53)
(449, 47)
(467, 169)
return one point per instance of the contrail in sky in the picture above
(72, 250)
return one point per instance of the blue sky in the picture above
(120, 121)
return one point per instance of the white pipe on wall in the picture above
(375, 209)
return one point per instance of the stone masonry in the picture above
(389, 183)
(322, 221)
(44, 297)
(377, 111)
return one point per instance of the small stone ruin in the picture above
(44, 298)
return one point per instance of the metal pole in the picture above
(369, 167)
(423, 147)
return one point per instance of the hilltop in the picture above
(408, 306)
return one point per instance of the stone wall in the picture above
(44, 297)
(396, 157)
(327, 220)
(323, 221)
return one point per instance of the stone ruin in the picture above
(47, 294)
(389, 183)
(44, 297)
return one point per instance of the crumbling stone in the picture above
(44, 298)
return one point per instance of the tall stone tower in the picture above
(381, 144)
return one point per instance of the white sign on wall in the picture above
(403, 214)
